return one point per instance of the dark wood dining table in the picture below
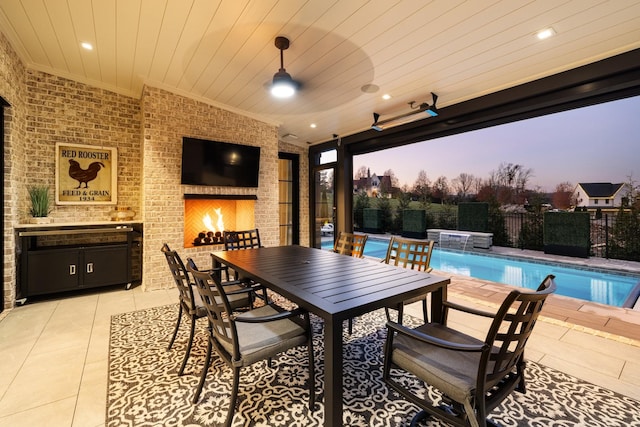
(334, 287)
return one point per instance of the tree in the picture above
(440, 189)
(361, 202)
(632, 193)
(421, 188)
(362, 172)
(404, 199)
(462, 185)
(392, 176)
(509, 182)
(625, 243)
(486, 191)
(561, 197)
(384, 204)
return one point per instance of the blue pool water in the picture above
(591, 285)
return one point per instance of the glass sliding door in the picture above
(288, 181)
(325, 207)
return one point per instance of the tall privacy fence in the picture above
(613, 235)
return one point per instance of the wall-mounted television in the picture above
(218, 163)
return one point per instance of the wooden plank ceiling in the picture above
(223, 53)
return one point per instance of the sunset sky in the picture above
(600, 143)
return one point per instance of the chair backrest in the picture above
(246, 239)
(350, 244)
(183, 282)
(409, 253)
(509, 332)
(219, 311)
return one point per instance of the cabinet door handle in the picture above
(72, 269)
(90, 267)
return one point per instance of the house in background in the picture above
(373, 185)
(603, 195)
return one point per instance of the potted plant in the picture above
(40, 204)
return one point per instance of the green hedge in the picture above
(414, 223)
(372, 220)
(473, 217)
(567, 233)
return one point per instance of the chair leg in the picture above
(189, 345)
(175, 331)
(350, 326)
(234, 397)
(203, 375)
(424, 311)
(312, 374)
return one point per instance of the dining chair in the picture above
(244, 239)
(247, 338)
(473, 375)
(190, 304)
(350, 244)
(412, 254)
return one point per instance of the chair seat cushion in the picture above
(452, 372)
(260, 340)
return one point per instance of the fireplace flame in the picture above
(208, 222)
(220, 221)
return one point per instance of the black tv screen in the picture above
(219, 163)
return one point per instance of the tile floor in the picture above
(54, 353)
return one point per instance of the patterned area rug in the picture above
(145, 390)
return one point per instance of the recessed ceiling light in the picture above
(86, 45)
(313, 125)
(546, 33)
(386, 96)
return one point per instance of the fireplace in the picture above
(207, 216)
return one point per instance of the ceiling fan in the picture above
(283, 85)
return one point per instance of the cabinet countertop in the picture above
(88, 224)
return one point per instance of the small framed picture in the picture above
(86, 175)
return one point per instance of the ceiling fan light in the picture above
(283, 85)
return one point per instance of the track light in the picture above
(412, 116)
(283, 85)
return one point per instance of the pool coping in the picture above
(596, 264)
(617, 323)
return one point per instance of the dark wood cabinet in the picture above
(50, 271)
(106, 265)
(65, 269)
(59, 268)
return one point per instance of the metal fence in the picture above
(609, 237)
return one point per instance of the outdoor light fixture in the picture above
(412, 116)
(283, 85)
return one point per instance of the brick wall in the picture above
(65, 111)
(166, 118)
(147, 133)
(12, 89)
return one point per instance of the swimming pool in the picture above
(592, 285)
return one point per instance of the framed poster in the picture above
(86, 175)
